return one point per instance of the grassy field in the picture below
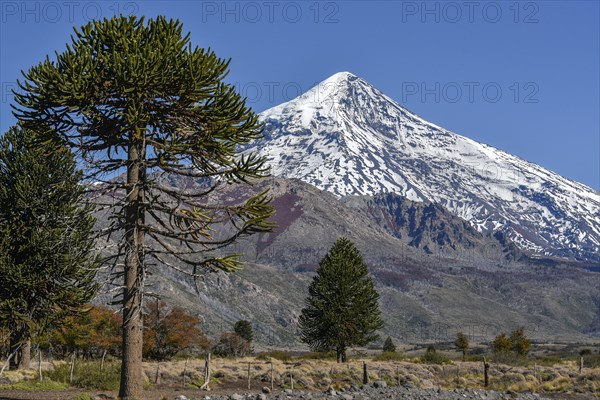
(316, 372)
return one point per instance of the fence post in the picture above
(40, 364)
(72, 369)
(248, 375)
(486, 368)
(205, 385)
(185, 370)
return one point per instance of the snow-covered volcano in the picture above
(348, 138)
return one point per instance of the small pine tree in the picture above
(520, 344)
(342, 308)
(244, 329)
(462, 344)
(388, 346)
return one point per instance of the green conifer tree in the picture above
(143, 108)
(244, 329)
(342, 308)
(47, 266)
(388, 346)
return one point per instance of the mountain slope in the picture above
(424, 296)
(346, 137)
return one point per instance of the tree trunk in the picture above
(185, 371)
(26, 354)
(271, 375)
(103, 358)
(41, 378)
(20, 345)
(72, 369)
(206, 384)
(341, 354)
(248, 375)
(131, 387)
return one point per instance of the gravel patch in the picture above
(376, 391)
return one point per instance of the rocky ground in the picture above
(370, 392)
(378, 390)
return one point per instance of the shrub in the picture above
(548, 360)
(319, 355)
(46, 384)
(231, 345)
(168, 331)
(389, 356)
(591, 361)
(278, 355)
(88, 375)
(432, 356)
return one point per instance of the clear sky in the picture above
(521, 76)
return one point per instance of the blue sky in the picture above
(521, 76)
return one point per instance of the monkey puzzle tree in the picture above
(342, 308)
(47, 266)
(158, 131)
(388, 346)
(244, 329)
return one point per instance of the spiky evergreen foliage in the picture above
(244, 329)
(388, 346)
(136, 100)
(342, 309)
(47, 266)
